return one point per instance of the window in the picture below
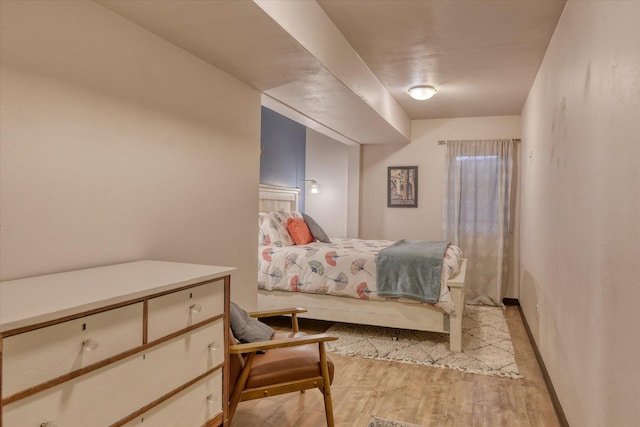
(480, 191)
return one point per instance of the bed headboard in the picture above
(274, 198)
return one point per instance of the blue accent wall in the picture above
(283, 144)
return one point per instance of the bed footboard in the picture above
(392, 314)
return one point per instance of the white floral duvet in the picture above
(344, 267)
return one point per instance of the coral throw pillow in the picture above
(299, 231)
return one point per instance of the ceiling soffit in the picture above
(303, 71)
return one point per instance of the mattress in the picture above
(344, 267)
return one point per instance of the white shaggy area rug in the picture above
(486, 344)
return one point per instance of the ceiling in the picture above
(343, 67)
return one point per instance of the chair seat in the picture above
(283, 365)
(286, 364)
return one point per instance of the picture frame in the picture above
(402, 187)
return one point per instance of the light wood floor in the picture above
(414, 394)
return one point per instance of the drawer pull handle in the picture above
(212, 399)
(48, 424)
(195, 308)
(89, 345)
(213, 346)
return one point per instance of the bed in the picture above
(288, 272)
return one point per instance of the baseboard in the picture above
(547, 379)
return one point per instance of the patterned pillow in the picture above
(272, 228)
(270, 231)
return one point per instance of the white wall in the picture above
(118, 146)
(353, 198)
(327, 161)
(424, 222)
(580, 212)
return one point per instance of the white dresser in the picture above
(135, 344)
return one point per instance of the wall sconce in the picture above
(314, 185)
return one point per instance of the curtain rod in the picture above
(444, 141)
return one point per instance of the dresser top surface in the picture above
(38, 299)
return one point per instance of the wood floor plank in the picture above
(415, 394)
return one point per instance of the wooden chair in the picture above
(290, 361)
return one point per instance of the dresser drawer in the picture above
(109, 394)
(98, 398)
(33, 357)
(192, 407)
(185, 357)
(178, 310)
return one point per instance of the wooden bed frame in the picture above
(394, 314)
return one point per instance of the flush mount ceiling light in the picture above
(422, 92)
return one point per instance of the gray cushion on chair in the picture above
(316, 230)
(246, 328)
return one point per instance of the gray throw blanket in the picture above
(411, 269)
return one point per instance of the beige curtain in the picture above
(477, 210)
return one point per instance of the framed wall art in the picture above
(402, 187)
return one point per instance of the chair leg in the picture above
(239, 387)
(328, 405)
(326, 389)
